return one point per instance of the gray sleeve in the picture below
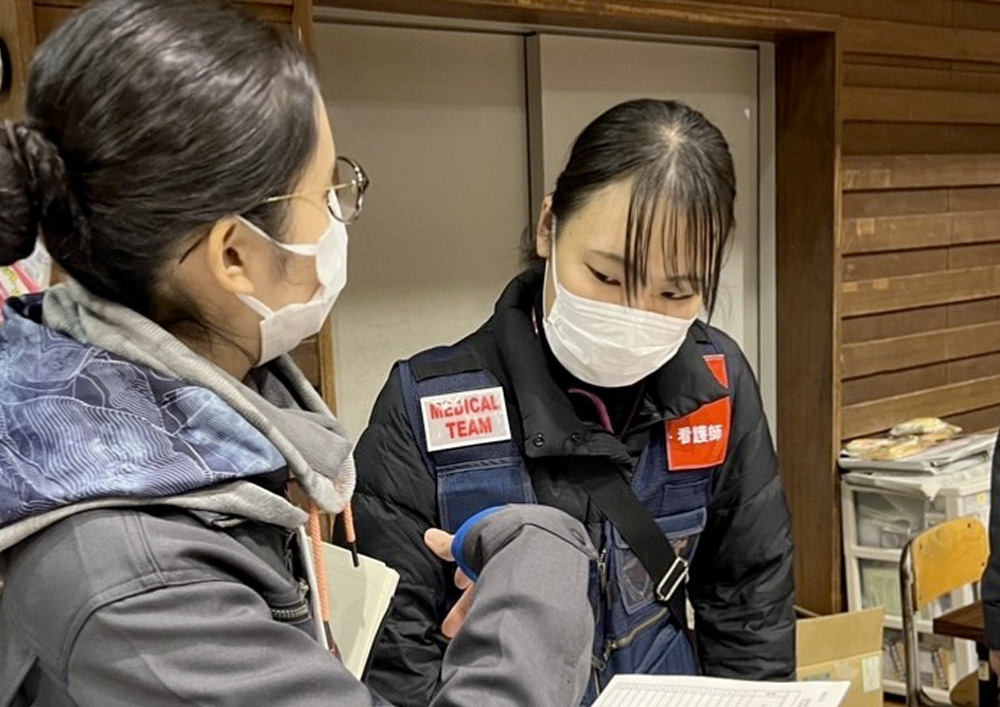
(526, 642)
(529, 635)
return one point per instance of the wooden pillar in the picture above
(302, 25)
(808, 208)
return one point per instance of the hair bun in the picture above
(33, 189)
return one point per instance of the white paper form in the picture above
(687, 691)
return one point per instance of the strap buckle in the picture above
(672, 580)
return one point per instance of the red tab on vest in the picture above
(701, 440)
(717, 365)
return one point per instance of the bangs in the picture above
(690, 215)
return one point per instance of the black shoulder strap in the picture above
(609, 491)
(443, 361)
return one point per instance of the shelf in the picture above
(897, 688)
(923, 625)
(863, 552)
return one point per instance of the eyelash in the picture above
(611, 282)
(604, 279)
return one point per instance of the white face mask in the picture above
(284, 329)
(609, 345)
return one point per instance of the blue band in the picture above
(458, 542)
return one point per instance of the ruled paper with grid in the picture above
(686, 691)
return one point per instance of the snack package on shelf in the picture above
(926, 444)
(927, 428)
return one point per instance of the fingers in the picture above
(462, 580)
(995, 660)
(456, 617)
(439, 543)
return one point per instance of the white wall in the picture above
(438, 120)
(577, 78)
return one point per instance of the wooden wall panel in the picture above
(914, 350)
(894, 264)
(886, 233)
(893, 72)
(892, 324)
(887, 385)
(974, 14)
(880, 138)
(920, 234)
(751, 3)
(944, 401)
(920, 171)
(883, 265)
(913, 380)
(911, 105)
(974, 199)
(980, 420)
(874, 204)
(918, 41)
(927, 12)
(911, 291)
(876, 74)
(968, 313)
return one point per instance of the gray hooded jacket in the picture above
(149, 556)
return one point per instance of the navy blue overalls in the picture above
(634, 630)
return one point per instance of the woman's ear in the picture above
(544, 230)
(228, 248)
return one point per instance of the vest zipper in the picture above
(619, 643)
(602, 570)
(597, 682)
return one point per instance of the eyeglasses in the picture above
(346, 197)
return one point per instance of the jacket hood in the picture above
(78, 423)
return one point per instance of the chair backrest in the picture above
(938, 561)
(947, 557)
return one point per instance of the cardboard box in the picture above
(844, 647)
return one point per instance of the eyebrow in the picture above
(619, 259)
(692, 280)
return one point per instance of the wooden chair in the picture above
(934, 563)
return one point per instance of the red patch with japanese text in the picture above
(701, 440)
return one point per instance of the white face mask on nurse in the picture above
(600, 329)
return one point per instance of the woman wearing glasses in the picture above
(177, 161)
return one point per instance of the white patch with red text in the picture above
(464, 419)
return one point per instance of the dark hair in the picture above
(682, 177)
(147, 122)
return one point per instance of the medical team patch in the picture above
(464, 419)
(701, 440)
